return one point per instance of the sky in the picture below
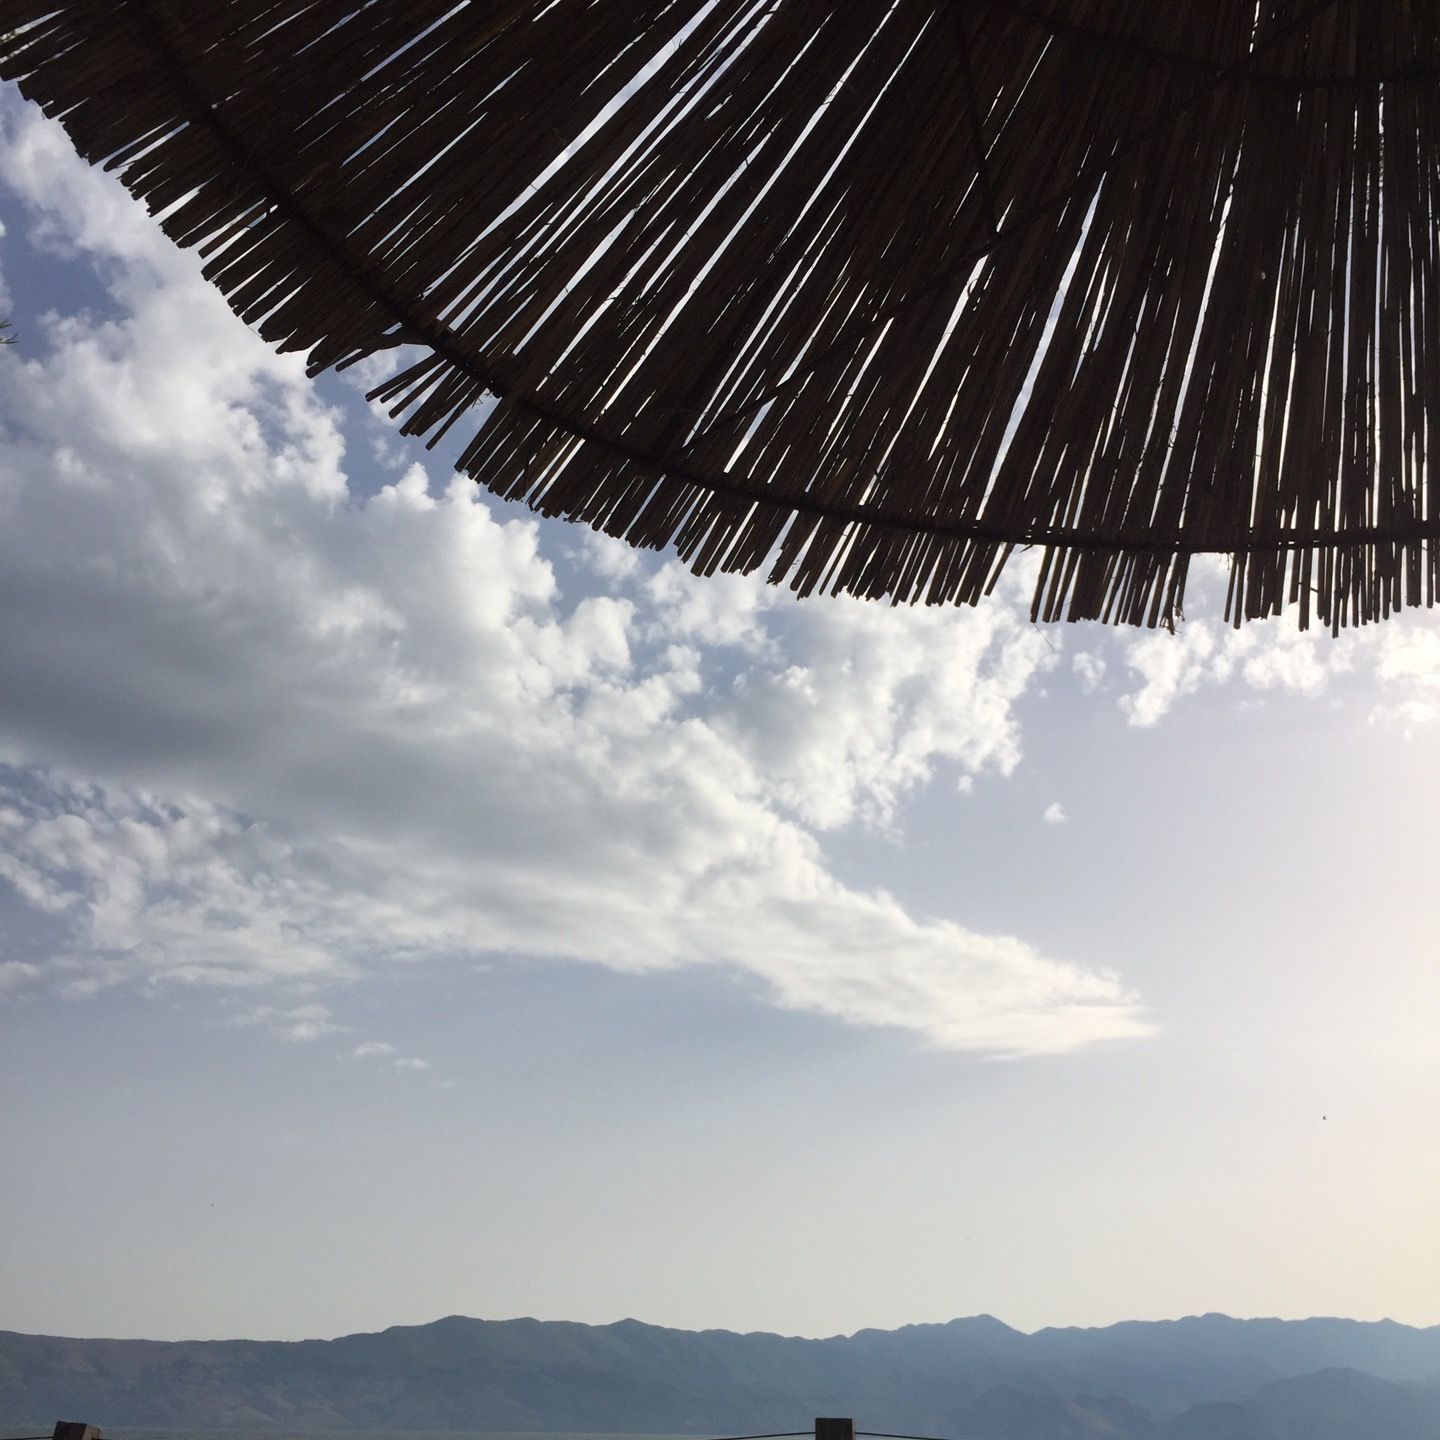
(409, 907)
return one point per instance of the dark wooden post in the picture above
(831, 1429)
(75, 1430)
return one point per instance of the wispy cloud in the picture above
(368, 1048)
(296, 1023)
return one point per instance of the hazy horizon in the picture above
(761, 1330)
(1130, 1382)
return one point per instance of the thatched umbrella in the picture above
(867, 293)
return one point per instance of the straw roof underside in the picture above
(869, 294)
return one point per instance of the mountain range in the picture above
(1206, 1377)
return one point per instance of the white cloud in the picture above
(4, 288)
(1090, 668)
(1170, 666)
(265, 735)
(368, 1048)
(15, 973)
(1389, 671)
(1055, 814)
(297, 1023)
(1408, 666)
(1269, 656)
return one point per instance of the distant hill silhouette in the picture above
(1203, 1378)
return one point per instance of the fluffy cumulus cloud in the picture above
(1272, 656)
(265, 732)
(1390, 671)
(1407, 665)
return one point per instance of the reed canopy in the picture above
(866, 292)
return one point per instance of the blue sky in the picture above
(409, 907)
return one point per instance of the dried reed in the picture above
(869, 293)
